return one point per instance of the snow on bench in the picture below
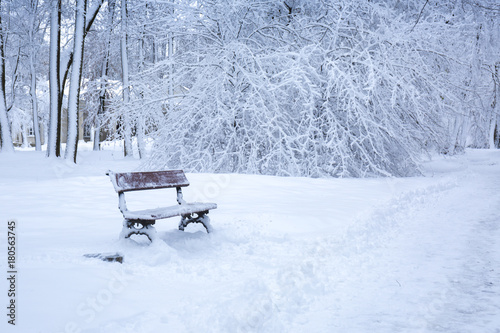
(166, 212)
(141, 222)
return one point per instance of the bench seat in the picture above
(171, 211)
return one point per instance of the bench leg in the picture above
(205, 220)
(184, 222)
(138, 227)
(201, 217)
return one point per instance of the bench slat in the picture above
(165, 212)
(135, 181)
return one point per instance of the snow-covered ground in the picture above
(287, 254)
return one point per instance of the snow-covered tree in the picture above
(25, 22)
(54, 140)
(34, 25)
(75, 80)
(484, 81)
(127, 122)
(295, 87)
(6, 137)
(104, 73)
(60, 67)
(298, 88)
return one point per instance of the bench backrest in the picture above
(135, 181)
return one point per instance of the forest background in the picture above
(294, 88)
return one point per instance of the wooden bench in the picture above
(141, 222)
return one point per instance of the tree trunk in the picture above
(127, 132)
(494, 133)
(54, 131)
(34, 103)
(6, 137)
(139, 129)
(34, 100)
(104, 76)
(89, 20)
(75, 79)
(58, 70)
(24, 133)
(141, 143)
(170, 69)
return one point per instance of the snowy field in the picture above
(287, 254)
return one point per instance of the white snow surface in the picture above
(287, 254)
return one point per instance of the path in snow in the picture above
(288, 254)
(434, 265)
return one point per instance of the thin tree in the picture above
(54, 137)
(494, 133)
(34, 100)
(57, 83)
(6, 138)
(104, 73)
(75, 79)
(139, 131)
(127, 135)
